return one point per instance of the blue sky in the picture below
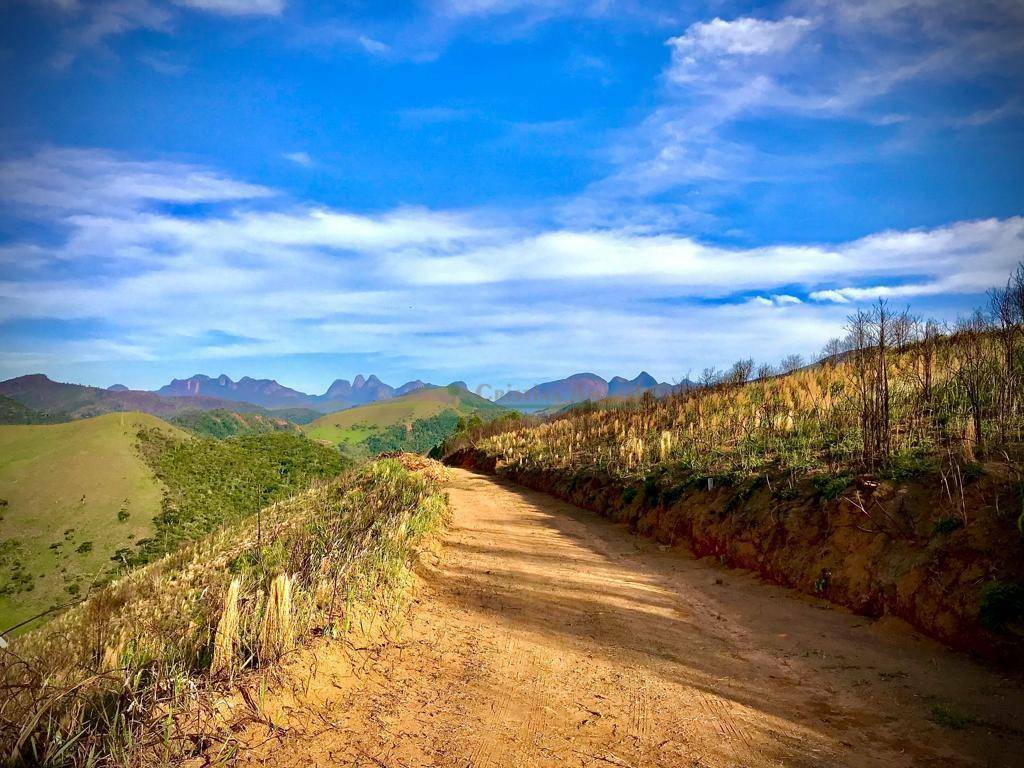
(501, 191)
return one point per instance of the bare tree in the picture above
(1005, 322)
(740, 371)
(764, 371)
(973, 373)
(710, 377)
(833, 350)
(791, 363)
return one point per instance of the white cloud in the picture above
(299, 158)
(826, 60)
(236, 7)
(371, 45)
(440, 289)
(742, 37)
(75, 179)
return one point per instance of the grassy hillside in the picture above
(238, 599)
(427, 415)
(213, 482)
(221, 423)
(13, 412)
(73, 494)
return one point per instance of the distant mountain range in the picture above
(586, 386)
(76, 401)
(267, 393)
(52, 400)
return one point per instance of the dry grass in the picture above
(808, 421)
(112, 681)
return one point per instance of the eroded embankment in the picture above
(950, 561)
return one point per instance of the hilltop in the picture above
(74, 494)
(221, 423)
(427, 415)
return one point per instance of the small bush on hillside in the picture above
(949, 717)
(831, 487)
(946, 525)
(1002, 604)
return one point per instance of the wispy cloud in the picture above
(299, 158)
(818, 60)
(436, 288)
(236, 7)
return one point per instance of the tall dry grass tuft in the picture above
(225, 642)
(275, 637)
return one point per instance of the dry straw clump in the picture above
(112, 680)
(226, 640)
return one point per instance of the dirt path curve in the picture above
(546, 636)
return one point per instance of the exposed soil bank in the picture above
(879, 548)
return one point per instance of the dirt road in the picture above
(541, 635)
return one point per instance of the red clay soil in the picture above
(874, 549)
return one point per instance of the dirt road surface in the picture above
(542, 635)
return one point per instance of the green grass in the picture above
(213, 482)
(221, 423)
(66, 485)
(371, 428)
(13, 412)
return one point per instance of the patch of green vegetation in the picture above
(221, 423)
(419, 437)
(910, 463)
(13, 412)
(212, 482)
(831, 487)
(950, 717)
(13, 577)
(1001, 604)
(946, 525)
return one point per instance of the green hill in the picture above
(416, 421)
(72, 495)
(13, 412)
(221, 423)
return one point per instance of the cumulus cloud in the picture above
(832, 61)
(742, 37)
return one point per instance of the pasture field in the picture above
(73, 494)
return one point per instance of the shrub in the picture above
(832, 486)
(1001, 604)
(945, 525)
